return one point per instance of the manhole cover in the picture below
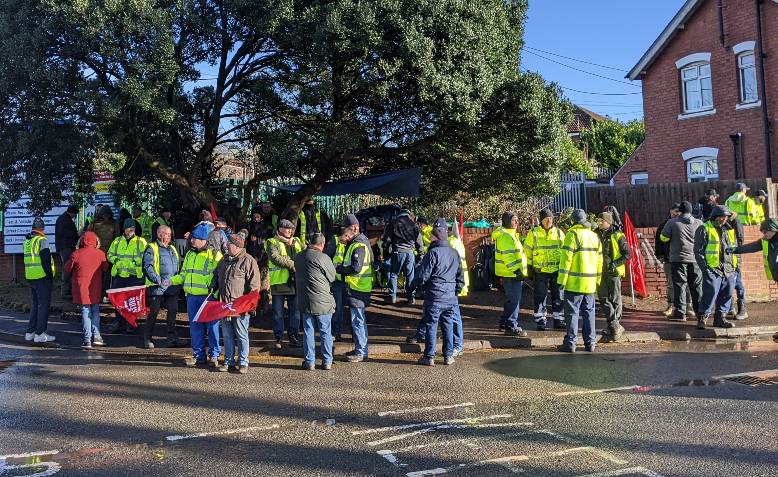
(753, 381)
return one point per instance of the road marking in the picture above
(597, 391)
(428, 424)
(760, 374)
(517, 458)
(425, 430)
(29, 454)
(51, 467)
(422, 409)
(631, 470)
(220, 433)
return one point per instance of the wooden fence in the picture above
(648, 205)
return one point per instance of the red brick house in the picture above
(710, 96)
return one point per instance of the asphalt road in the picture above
(70, 413)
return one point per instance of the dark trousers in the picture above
(717, 294)
(401, 263)
(64, 255)
(579, 305)
(432, 313)
(119, 282)
(686, 274)
(156, 302)
(610, 298)
(510, 310)
(39, 309)
(542, 282)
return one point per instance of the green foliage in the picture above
(610, 143)
(315, 90)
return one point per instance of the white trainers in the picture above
(29, 336)
(44, 338)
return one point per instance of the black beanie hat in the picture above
(507, 217)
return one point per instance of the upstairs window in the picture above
(746, 63)
(697, 88)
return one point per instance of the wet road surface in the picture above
(652, 410)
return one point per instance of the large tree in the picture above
(154, 89)
(610, 143)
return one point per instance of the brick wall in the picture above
(667, 137)
(757, 285)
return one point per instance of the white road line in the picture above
(425, 430)
(29, 454)
(760, 374)
(422, 409)
(597, 391)
(220, 433)
(631, 470)
(51, 468)
(428, 424)
(520, 458)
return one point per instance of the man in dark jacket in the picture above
(401, 239)
(65, 240)
(662, 252)
(707, 203)
(312, 220)
(357, 273)
(679, 233)
(442, 277)
(615, 255)
(714, 244)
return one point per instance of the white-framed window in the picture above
(746, 63)
(639, 178)
(697, 88)
(702, 169)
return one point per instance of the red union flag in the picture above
(130, 302)
(216, 310)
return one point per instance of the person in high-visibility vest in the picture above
(145, 220)
(714, 247)
(197, 278)
(580, 272)
(39, 273)
(761, 207)
(743, 205)
(542, 246)
(165, 218)
(768, 246)
(310, 221)
(442, 277)
(336, 250)
(357, 273)
(160, 264)
(281, 251)
(510, 264)
(126, 258)
(615, 255)
(426, 232)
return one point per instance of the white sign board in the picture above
(18, 223)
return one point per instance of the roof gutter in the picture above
(763, 84)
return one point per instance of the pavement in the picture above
(695, 409)
(389, 325)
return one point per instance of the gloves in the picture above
(165, 283)
(730, 249)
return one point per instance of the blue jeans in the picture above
(39, 310)
(325, 337)
(716, 293)
(542, 283)
(401, 262)
(359, 327)
(232, 328)
(446, 313)
(459, 333)
(338, 290)
(278, 315)
(90, 320)
(510, 313)
(740, 289)
(579, 304)
(198, 331)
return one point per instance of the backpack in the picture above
(483, 271)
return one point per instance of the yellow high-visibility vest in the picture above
(509, 255)
(713, 248)
(459, 246)
(126, 257)
(580, 261)
(279, 275)
(363, 281)
(155, 248)
(33, 267)
(197, 271)
(542, 248)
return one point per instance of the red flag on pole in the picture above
(216, 310)
(130, 302)
(636, 267)
(213, 211)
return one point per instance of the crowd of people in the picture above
(312, 272)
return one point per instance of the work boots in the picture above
(701, 321)
(612, 333)
(720, 322)
(669, 311)
(742, 314)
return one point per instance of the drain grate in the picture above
(753, 381)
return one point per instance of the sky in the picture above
(611, 33)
